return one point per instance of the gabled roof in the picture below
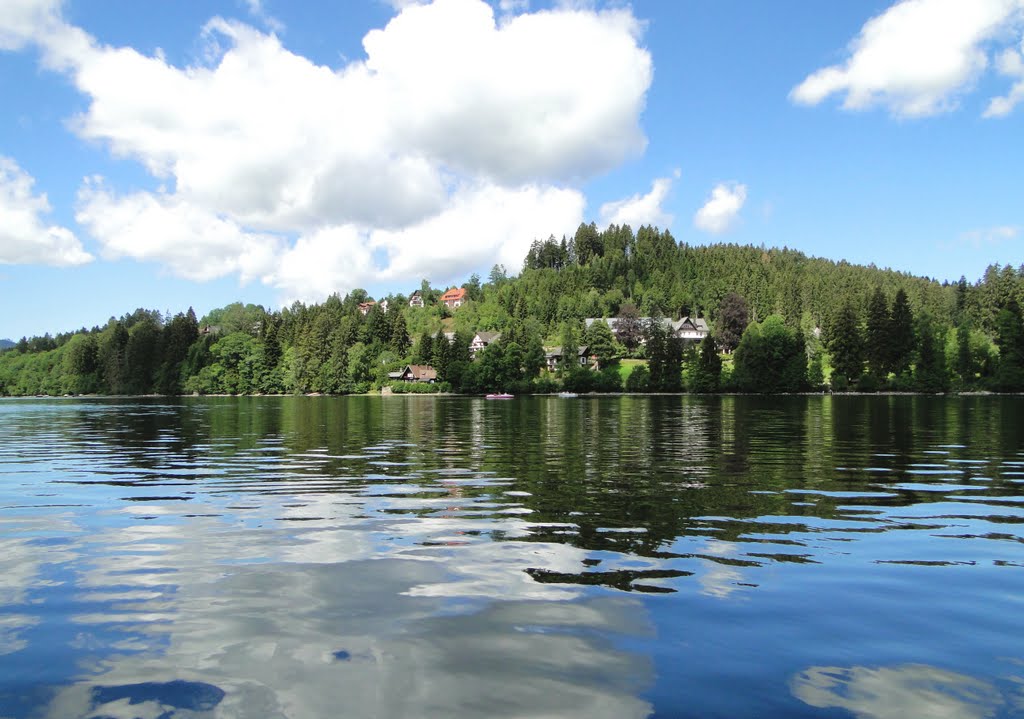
(487, 337)
(421, 372)
(696, 324)
(455, 293)
(553, 352)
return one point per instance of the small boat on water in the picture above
(500, 395)
(567, 395)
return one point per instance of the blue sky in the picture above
(167, 154)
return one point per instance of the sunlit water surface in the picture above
(545, 557)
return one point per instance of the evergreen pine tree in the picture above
(964, 360)
(1010, 339)
(878, 335)
(570, 348)
(903, 341)
(708, 373)
(930, 373)
(601, 343)
(846, 345)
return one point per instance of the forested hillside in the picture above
(780, 320)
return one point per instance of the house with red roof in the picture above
(454, 297)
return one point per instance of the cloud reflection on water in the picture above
(264, 615)
(909, 690)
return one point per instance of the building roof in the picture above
(420, 372)
(455, 293)
(692, 323)
(554, 352)
(487, 337)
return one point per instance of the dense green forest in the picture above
(780, 321)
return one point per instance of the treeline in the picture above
(781, 321)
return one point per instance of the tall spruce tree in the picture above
(878, 335)
(601, 343)
(570, 348)
(930, 373)
(903, 342)
(707, 375)
(1010, 339)
(965, 366)
(846, 345)
(664, 356)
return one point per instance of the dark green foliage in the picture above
(1010, 339)
(869, 382)
(664, 357)
(143, 356)
(965, 366)
(579, 379)
(930, 373)
(816, 373)
(570, 348)
(608, 379)
(398, 340)
(179, 335)
(601, 343)
(331, 347)
(533, 351)
(424, 349)
(733, 318)
(771, 358)
(902, 333)
(113, 349)
(846, 345)
(81, 365)
(707, 374)
(639, 380)
(878, 335)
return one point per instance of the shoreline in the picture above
(582, 395)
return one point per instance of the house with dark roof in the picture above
(481, 340)
(418, 373)
(688, 329)
(365, 307)
(416, 299)
(553, 357)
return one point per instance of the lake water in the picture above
(624, 557)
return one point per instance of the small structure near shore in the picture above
(418, 373)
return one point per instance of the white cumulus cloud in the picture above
(24, 20)
(640, 210)
(1011, 64)
(24, 237)
(916, 58)
(721, 212)
(483, 225)
(189, 240)
(326, 260)
(453, 114)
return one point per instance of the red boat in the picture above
(501, 395)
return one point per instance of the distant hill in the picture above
(5, 345)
